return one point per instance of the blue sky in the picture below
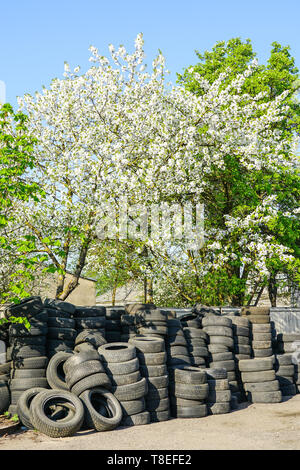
(38, 36)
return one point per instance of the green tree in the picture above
(16, 161)
(234, 192)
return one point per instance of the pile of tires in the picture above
(153, 368)
(196, 339)
(61, 326)
(28, 356)
(287, 342)
(241, 350)
(286, 374)
(90, 318)
(123, 369)
(151, 322)
(221, 346)
(113, 329)
(188, 390)
(176, 344)
(219, 398)
(259, 380)
(4, 390)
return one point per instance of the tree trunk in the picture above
(272, 289)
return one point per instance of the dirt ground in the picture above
(251, 427)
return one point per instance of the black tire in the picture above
(30, 363)
(218, 331)
(83, 370)
(262, 352)
(28, 308)
(24, 352)
(23, 405)
(64, 334)
(93, 337)
(55, 371)
(93, 417)
(125, 379)
(52, 428)
(24, 384)
(159, 404)
(132, 391)
(78, 358)
(219, 396)
(264, 397)
(184, 412)
(138, 419)
(117, 352)
(122, 368)
(220, 373)
(216, 320)
(159, 416)
(150, 359)
(153, 371)
(60, 305)
(133, 407)
(260, 376)
(91, 322)
(16, 330)
(271, 386)
(61, 322)
(218, 408)
(148, 344)
(83, 312)
(228, 365)
(188, 375)
(27, 373)
(223, 340)
(189, 391)
(157, 382)
(218, 385)
(99, 379)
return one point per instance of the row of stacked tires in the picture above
(201, 363)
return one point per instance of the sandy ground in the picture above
(251, 427)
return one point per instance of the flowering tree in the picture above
(118, 130)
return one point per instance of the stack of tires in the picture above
(128, 386)
(61, 326)
(28, 355)
(286, 374)
(176, 344)
(259, 380)
(242, 349)
(90, 318)
(153, 368)
(4, 395)
(196, 339)
(188, 390)
(219, 397)
(152, 322)
(261, 334)
(113, 329)
(221, 346)
(128, 327)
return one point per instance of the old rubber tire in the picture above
(55, 370)
(52, 428)
(148, 344)
(100, 379)
(117, 352)
(131, 391)
(93, 415)
(23, 405)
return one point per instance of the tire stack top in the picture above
(128, 327)
(176, 344)
(259, 380)
(27, 350)
(128, 386)
(219, 399)
(221, 346)
(61, 326)
(113, 329)
(196, 339)
(152, 358)
(188, 392)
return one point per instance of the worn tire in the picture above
(93, 418)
